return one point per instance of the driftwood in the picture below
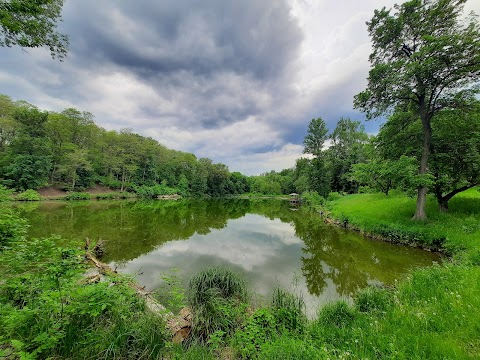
(179, 326)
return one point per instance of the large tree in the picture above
(317, 134)
(425, 56)
(318, 175)
(454, 163)
(349, 140)
(32, 24)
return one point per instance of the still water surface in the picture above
(262, 239)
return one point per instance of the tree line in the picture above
(68, 150)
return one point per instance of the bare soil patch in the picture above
(98, 189)
(51, 192)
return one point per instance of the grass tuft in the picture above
(214, 295)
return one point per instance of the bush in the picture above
(28, 195)
(12, 228)
(313, 198)
(334, 196)
(108, 182)
(49, 312)
(364, 190)
(78, 196)
(5, 193)
(215, 296)
(108, 196)
(258, 329)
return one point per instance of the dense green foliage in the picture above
(329, 169)
(33, 24)
(28, 195)
(68, 150)
(357, 163)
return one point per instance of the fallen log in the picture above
(179, 326)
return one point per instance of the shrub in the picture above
(152, 192)
(49, 310)
(28, 195)
(5, 193)
(78, 196)
(214, 296)
(108, 182)
(313, 198)
(364, 190)
(334, 196)
(258, 329)
(12, 228)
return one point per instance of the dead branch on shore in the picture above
(179, 326)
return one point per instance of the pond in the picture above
(264, 240)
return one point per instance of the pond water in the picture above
(264, 240)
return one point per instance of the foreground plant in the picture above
(215, 295)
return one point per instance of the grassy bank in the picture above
(456, 232)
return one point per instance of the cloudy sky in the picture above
(234, 80)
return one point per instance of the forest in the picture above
(70, 151)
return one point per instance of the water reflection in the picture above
(262, 239)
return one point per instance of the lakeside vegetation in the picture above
(456, 232)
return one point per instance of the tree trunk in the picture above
(443, 200)
(420, 213)
(443, 205)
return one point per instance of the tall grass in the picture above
(215, 295)
(289, 309)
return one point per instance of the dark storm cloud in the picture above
(150, 37)
(219, 59)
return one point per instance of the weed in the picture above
(5, 193)
(171, 292)
(28, 195)
(12, 228)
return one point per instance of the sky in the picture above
(234, 81)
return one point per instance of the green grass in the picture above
(390, 216)
(430, 316)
